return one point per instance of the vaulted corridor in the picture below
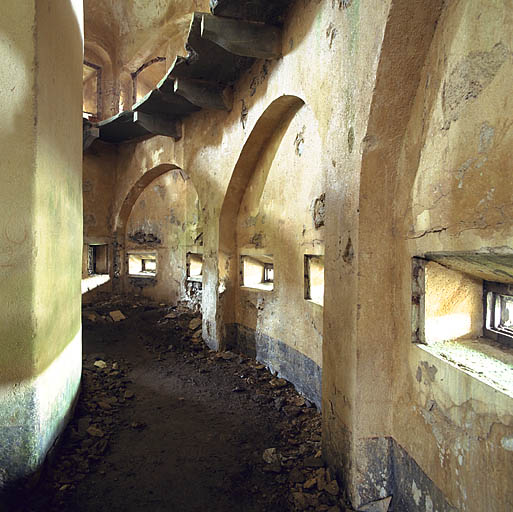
(163, 423)
(256, 255)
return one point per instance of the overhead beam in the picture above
(159, 125)
(266, 11)
(244, 38)
(204, 94)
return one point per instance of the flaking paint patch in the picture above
(350, 140)
(299, 142)
(416, 493)
(486, 137)
(507, 443)
(469, 77)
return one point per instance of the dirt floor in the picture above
(165, 424)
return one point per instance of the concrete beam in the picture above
(159, 125)
(244, 38)
(204, 94)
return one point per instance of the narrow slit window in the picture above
(257, 272)
(194, 267)
(92, 75)
(314, 278)
(268, 273)
(498, 303)
(142, 265)
(97, 260)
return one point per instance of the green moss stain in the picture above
(353, 16)
(350, 139)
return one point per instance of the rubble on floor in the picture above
(290, 471)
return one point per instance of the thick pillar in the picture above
(41, 50)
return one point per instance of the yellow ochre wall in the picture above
(41, 48)
(406, 109)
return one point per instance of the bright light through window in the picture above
(194, 267)
(314, 278)
(142, 265)
(257, 272)
(499, 312)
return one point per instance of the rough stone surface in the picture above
(107, 454)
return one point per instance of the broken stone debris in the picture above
(194, 323)
(93, 316)
(278, 383)
(95, 431)
(295, 462)
(96, 420)
(117, 316)
(270, 455)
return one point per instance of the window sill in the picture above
(481, 358)
(195, 279)
(259, 287)
(143, 276)
(318, 304)
(94, 281)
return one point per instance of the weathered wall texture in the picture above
(98, 189)
(166, 219)
(456, 196)
(99, 177)
(277, 215)
(122, 36)
(399, 113)
(430, 166)
(41, 49)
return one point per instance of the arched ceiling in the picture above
(132, 31)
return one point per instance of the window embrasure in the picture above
(257, 272)
(194, 267)
(314, 278)
(464, 320)
(142, 264)
(498, 312)
(97, 259)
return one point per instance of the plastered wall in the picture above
(41, 204)
(98, 189)
(424, 188)
(166, 219)
(459, 200)
(279, 215)
(399, 114)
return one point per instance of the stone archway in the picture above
(267, 224)
(279, 111)
(161, 216)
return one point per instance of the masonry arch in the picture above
(419, 147)
(160, 218)
(147, 76)
(95, 54)
(455, 198)
(407, 38)
(369, 339)
(267, 221)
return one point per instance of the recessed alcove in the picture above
(461, 317)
